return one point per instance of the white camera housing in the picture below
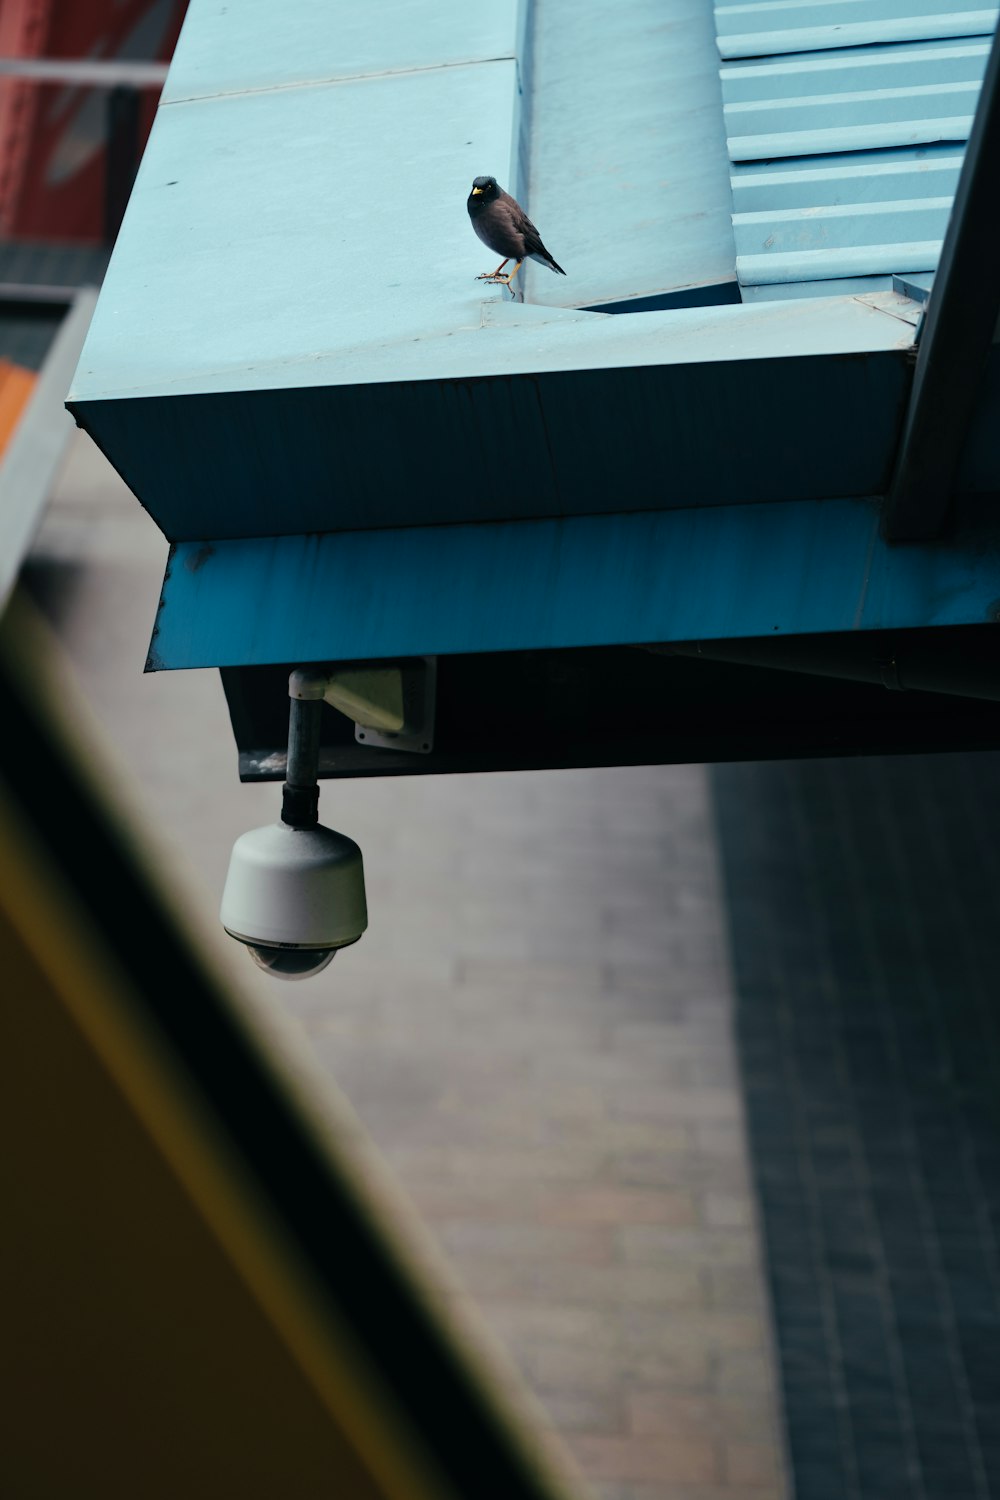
(294, 896)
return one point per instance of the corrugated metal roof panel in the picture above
(897, 97)
(781, 26)
(851, 260)
(845, 164)
(842, 226)
(922, 113)
(863, 68)
(855, 180)
(862, 137)
(808, 244)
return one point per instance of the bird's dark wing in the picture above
(529, 234)
(533, 245)
(532, 239)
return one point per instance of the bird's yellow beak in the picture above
(476, 192)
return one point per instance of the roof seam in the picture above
(887, 312)
(337, 78)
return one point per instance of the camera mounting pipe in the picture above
(300, 793)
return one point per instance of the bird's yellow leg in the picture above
(506, 280)
(492, 275)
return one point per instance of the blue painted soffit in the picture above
(737, 571)
(846, 125)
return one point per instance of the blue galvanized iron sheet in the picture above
(796, 291)
(701, 406)
(852, 201)
(855, 69)
(256, 44)
(852, 153)
(844, 226)
(243, 464)
(282, 229)
(904, 116)
(907, 95)
(852, 260)
(629, 179)
(871, 178)
(468, 340)
(780, 26)
(291, 335)
(586, 581)
(292, 216)
(843, 138)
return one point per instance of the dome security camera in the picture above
(294, 896)
(295, 891)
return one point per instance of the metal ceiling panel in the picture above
(687, 704)
(844, 161)
(678, 575)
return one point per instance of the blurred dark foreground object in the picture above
(198, 1297)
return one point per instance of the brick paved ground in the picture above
(535, 1032)
(866, 945)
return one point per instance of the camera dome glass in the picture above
(291, 963)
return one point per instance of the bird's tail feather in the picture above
(546, 260)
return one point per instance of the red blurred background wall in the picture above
(54, 158)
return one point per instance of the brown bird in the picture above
(504, 227)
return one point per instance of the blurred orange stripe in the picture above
(16, 385)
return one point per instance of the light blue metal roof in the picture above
(220, 49)
(629, 173)
(771, 27)
(302, 196)
(578, 413)
(294, 367)
(845, 158)
(291, 319)
(278, 229)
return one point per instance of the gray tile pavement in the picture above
(866, 950)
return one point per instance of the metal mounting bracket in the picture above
(392, 706)
(418, 682)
